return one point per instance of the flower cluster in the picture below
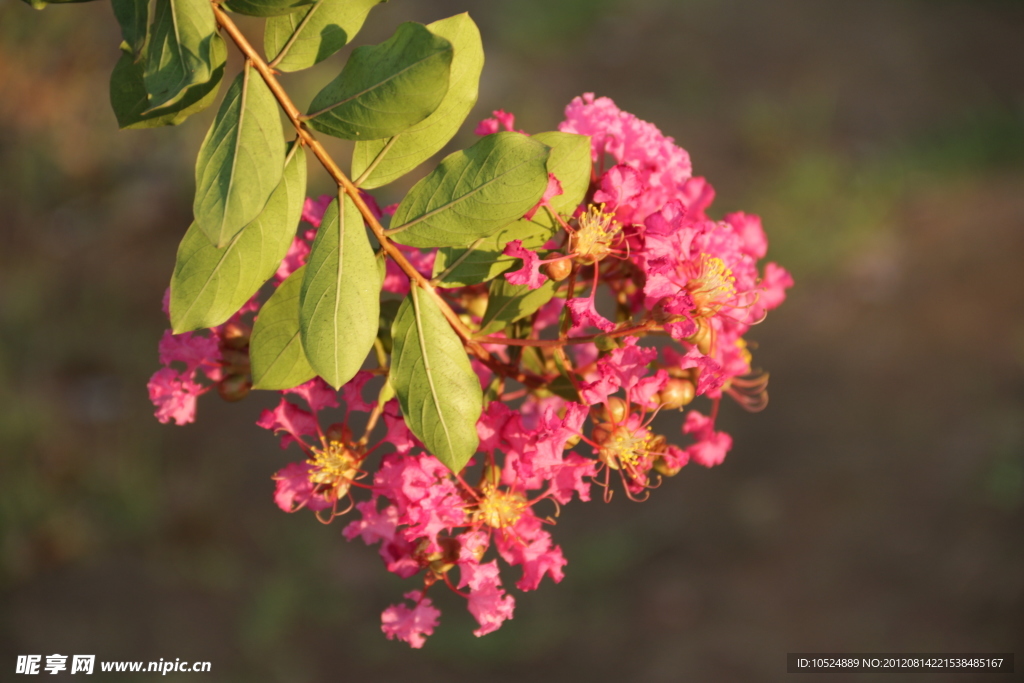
(639, 258)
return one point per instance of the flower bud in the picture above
(235, 335)
(234, 387)
(662, 467)
(339, 432)
(702, 337)
(615, 410)
(676, 394)
(558, 270)
(572, 441)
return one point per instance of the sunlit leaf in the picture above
(389, 159)
(384, 89)
(473, 193)
(209, 283)
(339, 309)
(437, 389)
(241, 160)
(301, 39)
(275, 347)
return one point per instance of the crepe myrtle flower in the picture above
(572, 392)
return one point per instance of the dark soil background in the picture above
(876, 505)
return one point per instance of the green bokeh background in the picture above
(876, 505)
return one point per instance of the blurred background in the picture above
(876, 505)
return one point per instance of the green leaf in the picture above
(407, 150)
(209, 283)
(570, 162)
(133, 16)
(437, 389)
(507, 303)
(299, 40)
(275, 348)
(179, 53)
(265, 8)
(130, 102)
(385, 88)
(340, 301)
(473, 193)
(484, 260)
(241, 159)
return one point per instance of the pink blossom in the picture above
(711, 446)
(192, 349)
(620, 188)
(501, 119)
(530, 546)
(313, 209)
(352, 392)
(529, 274)
(487, 601)
(317, 393)
(585, 315)
(411, 625)
(398, 434)
(174, 396)
(296, 257)
(773, 287)
(294, 490)
(697, 195)
(663, 167)
(290, 419)
(553, 189)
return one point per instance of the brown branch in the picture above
(295, 116)
(553, 343)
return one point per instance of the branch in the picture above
(293, 114)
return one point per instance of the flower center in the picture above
(498, 508)
(335, 466)
(711, 284)
(626, 448)
(595, 232)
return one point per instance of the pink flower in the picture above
(584, 315)
(529, 274)
(501, 119)
(620, 188)
(317, 393)
(553, 189)
(296, 257)
(487, 601)
(313, 209)
(352, 391)
(530, 546)
(294, 490)
(192, 349)
(174, 396)
(663, 167)
(711, 446)
(774, 285)
(411, 625)
(290, 419)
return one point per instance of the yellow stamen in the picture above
(625, 448)
(335, 465)
(594, 235)
(711, 284)
(499, 508)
